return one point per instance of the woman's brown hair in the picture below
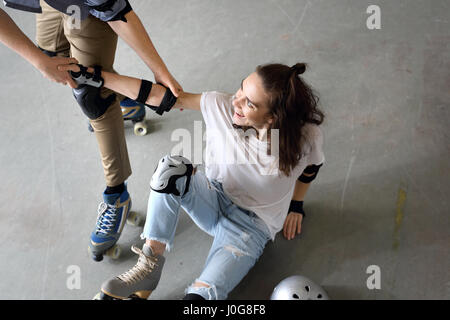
(292, 104)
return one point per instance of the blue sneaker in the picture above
(112, 216)
(134, 111)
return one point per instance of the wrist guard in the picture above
(91, 79)
(297, 206)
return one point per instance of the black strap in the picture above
(82, 71)
(312, 169)
(190, 169)
(297, 206)
(167, 102)
(144, 91)
(97, 73)
(307, 179)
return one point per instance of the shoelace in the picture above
(106, 218)
(142, 268)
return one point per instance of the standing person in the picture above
(94, 43)
(249, 192)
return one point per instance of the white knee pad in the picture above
(169, 170)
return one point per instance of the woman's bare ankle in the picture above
(157, 247)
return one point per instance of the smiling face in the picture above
(251, 104)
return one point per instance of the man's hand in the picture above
(49, 69)
(72, 67)
(292, 225)
(167, 80)
(15, 39)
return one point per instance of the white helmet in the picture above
(298, 288)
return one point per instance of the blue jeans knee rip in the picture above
(236, 251)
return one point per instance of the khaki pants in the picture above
(93, 44)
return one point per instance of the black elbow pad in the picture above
(166, 104)
(312, 169)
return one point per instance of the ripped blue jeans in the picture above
(239, 235)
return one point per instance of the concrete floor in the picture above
(381, 199)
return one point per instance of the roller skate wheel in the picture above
(140, 129)
(102, 296)
(93, 256)
(114, 252)
(134, 219)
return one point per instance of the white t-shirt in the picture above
(250, 176)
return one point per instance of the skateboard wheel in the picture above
(134, 219)
(140, 128)
(114, 252)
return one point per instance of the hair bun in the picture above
(298, 68)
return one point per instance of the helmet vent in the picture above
(307, 288)
(319, 296)
(295, 296)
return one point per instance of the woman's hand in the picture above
(292, 225)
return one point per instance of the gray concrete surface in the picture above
(381, 199)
